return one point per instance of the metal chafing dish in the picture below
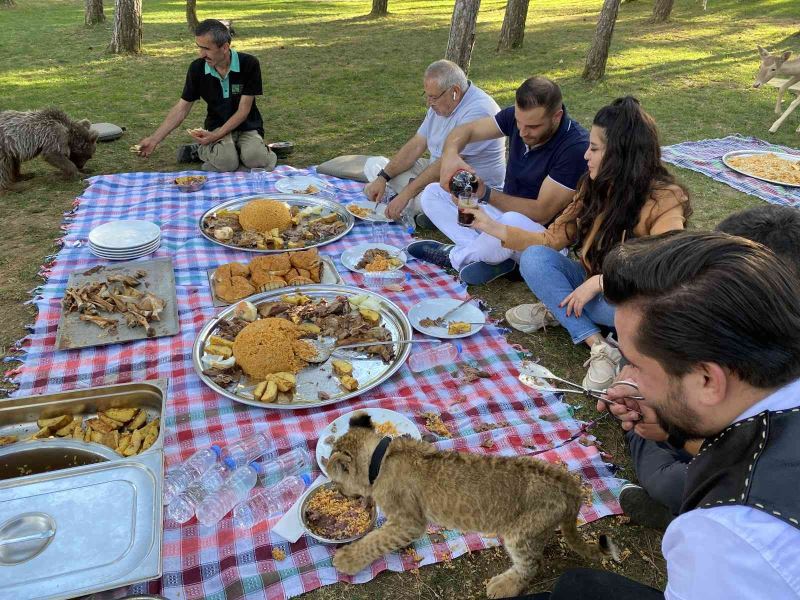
(80, 518)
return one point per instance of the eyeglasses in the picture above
(434, 99)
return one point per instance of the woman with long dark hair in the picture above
(627, 193)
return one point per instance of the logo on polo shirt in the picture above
(236, 88)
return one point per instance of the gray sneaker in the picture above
(188, 154)
(431, 251)
(642, 510)
(479, 273)
(423, 222)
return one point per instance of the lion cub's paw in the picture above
(348, 561)
(505, 585)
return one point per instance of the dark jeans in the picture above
(660, 469)
(591, 584)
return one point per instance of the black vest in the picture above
(755, 463)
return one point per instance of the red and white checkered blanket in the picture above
(220, 562)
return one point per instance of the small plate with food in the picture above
(772, 167)
(330, 517)
(428, 317)
(301, 184)
(368, 211)
(387, 422)
(373, 258)
(191, 183)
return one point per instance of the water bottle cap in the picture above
(408, 277)
(459, 347)
(230, 463)
(217, 450)
(306, 477)
(257, 467)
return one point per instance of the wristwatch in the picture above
(385, 175)
(487, 194)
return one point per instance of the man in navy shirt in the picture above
(228, 81)
(545, 162)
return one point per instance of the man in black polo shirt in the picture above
(228, 81)
(545, 162)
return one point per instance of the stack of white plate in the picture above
(124, 240)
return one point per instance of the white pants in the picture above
(399, 182)
(471, 246)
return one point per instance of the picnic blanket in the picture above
(497, 415)
(705, 157)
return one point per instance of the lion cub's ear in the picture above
(361, 420)
(339, 461)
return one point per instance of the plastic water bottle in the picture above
(247, 450)
(234, 490)
(385, 280)
(179, 478)
(378, 232)
(270, 502)
(294, 462)
(407, 221)
(182, 508)
(441, 354)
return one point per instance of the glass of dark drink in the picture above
(467, 200)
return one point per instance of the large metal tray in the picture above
(301, 200)
(314, 378)
(783, 155)
(86, 528)
(160, 279)
(328, 275)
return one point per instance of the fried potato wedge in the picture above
(123, 415)
(54, 422)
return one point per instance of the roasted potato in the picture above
(5, 440)
(342, 367)
(349, 383)
(139, 420)
(99, 425)
(123, 415)
(54, 422)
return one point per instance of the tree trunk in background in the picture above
(7, 3)
(662, 10)
(462, 32)
(94, 12)
(513, 30)
(127, 35)
(380, 8)
(598, 53)
(191, 15)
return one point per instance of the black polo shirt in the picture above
(223, 95)
(560, 157)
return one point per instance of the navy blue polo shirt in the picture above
(222, 95)
(560, 157)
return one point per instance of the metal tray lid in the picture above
(69, 533)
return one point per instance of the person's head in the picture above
(444, 85)
(213, 39)
(776, 227)
(624, 167)
(538, 108)
(709, 321)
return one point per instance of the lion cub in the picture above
(521, 499)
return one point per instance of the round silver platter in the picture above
(315, 378)
(301, 200)
(791, 157)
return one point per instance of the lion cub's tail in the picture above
(604, 547)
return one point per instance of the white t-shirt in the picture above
(487, 158)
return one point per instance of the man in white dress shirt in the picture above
(710, 325)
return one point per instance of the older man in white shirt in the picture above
(711, 328)
(452, 100)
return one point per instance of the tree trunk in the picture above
(380, 8)
(462, 32)
(127, 35)
(94, 12)
(191, 15)
(662, 10)
(7, 3)
(513, 29)
(598, 53)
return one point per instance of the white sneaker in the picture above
(603, 363)
(530, 317)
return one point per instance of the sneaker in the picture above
(528, 318)
(637, 504)
(479, 273)
(603, 362)
(188, 153)
(432, 252)
(423, 222)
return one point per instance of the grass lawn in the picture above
(338, 82)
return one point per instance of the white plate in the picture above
(782, 155)
(373, 165)
(379, 415)
(437, 308)
(299, 184)
(117, 253)
(129, 257)
(378, 212)
(353, 255)
(124, 250)
(124, 235)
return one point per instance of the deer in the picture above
(777, 64)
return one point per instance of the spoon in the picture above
(325, 347)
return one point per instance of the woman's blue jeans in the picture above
(552, 277)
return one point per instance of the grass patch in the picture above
(336, 82)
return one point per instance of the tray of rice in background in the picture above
(274, 347)
(309, 209)
(773, 167)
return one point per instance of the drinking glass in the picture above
(258, 180)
